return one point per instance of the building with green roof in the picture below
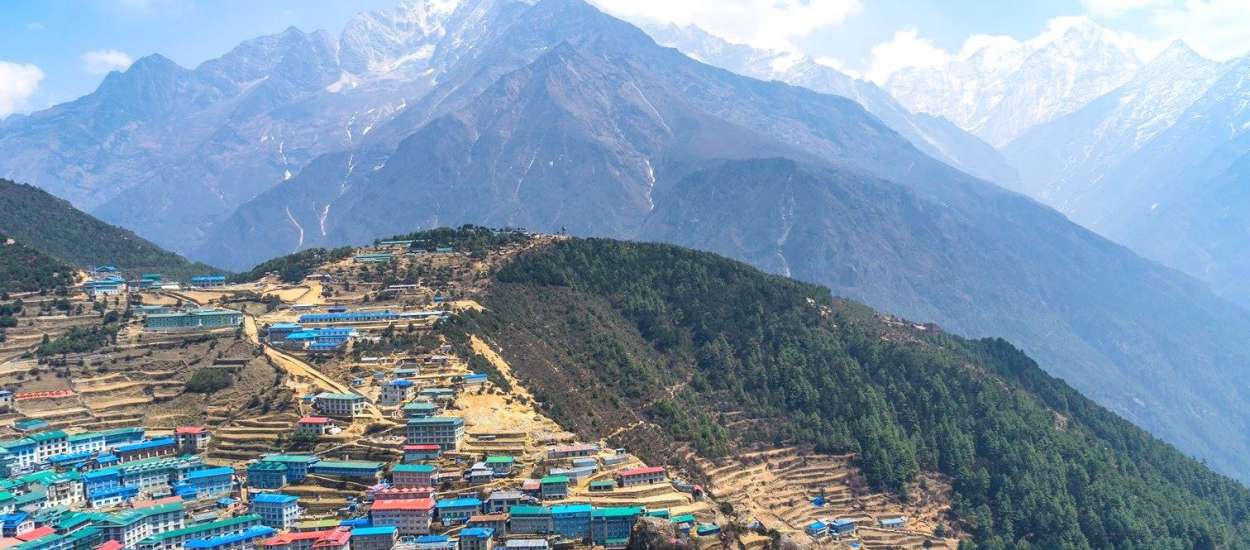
(611, 526)
(500, 465)
(413, 475)
(296, 465)
(266, 475)
(530, 520)
(348, 468)
(177, 538)
(554, 487)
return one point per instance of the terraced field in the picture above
(778, 486)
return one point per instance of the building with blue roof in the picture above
(277, 332)
(477, 538)
(457, 510)
(211, 482)
(398, 391)
(435, 542)
(319, 339)
(571, 520)
(242, 540)
(208, 281)
(104, 478)
(276, 509)
(113, 496)
(841, 526)
(16, 523)
(892, 522)
(161, 446)
(69, 460)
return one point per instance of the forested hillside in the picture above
(23, 268)
(53, 226)
(610, 333)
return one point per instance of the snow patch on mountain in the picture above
(998, 87)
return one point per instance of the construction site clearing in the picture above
(328, 413)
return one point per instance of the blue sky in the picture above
(56, 50)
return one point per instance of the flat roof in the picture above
(352, 464)
(274, 498)
(412, 504)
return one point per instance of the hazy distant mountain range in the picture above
(552, 115)
(1004, 87)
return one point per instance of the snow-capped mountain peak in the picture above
(383, 40)
(999, 87)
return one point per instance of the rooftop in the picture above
(414, 504)
(350, 464)
(274, 498)
(370, 531)
(306, 459)
(459, 503)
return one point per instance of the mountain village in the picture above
(328, 413)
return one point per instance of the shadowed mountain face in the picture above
(574, 120)
(934, 136)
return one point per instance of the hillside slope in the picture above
(609, 333)
(24, 269)
(51, 225)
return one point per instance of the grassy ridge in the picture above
(24, 269)
(53, 226)
(600, 327)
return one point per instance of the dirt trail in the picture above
(482, 348)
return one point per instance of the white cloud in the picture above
(17, 83)
(103, 61)
(35, 26)
(769, 24)
(905, 49)
(908, 49)
(1218, 29)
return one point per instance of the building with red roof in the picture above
(409, 516)
(423, 451)
(314, 425)
(36, 533)
(191, 439)
(329, 539)
(646, 475)
(110, 545)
